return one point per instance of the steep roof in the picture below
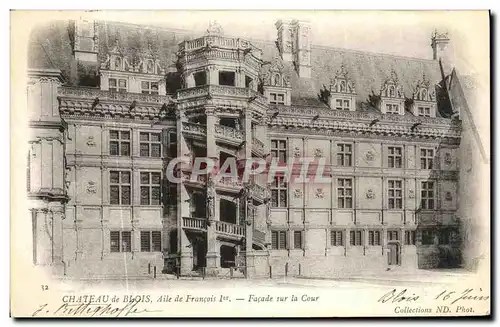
(51, 48)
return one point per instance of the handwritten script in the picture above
(94, 310)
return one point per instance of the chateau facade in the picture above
(112, 104)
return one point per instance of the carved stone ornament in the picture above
(448, 196)
(370, 194)
(318, 153)
(341, 83)
(214, 28)
(297, 193)
(391, 88)
(91, 142)
(319, 194)
(411, 194)
(369, 155)
(447, 158)
(296, 152)
(424, 90)
(91, 188)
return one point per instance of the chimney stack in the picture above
(441, 51)
(294, 44)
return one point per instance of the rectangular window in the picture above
(410, 237)
(119, 186)
(356, 238)
(445, 236)
(200, 78)
(150, 188)
(118, 85)
(120, 241)
(427, 237)
(344, 155)
(344, 193)
(278, 150)
(343, 104)
(374, 237)
(395, 196)
(297, 240)
(393, 235)
(279, 240)
(424, 111)
(150, 144)
(395, 157)
(337, 238)
(227, 78)
(119, 143)
(276, 98)
(427, 195)
(149, 87)
(392, 109)
(279, 189)
(426, 158)
(150, 241)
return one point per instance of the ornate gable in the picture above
(145, 61)
(423, 90)
(391, 88)
(341, 83)
(276, 75)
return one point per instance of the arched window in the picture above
(342, 86)
(423, 94)
(150, 67)
(391, 91)
(118, 63)
(277, 80)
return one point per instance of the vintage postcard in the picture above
(250, 164)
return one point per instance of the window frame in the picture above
(424, 111)
(425, 199)
(120, 142)
(274, 98)
(345, 189)
(301, 240)
(345, 104)
(277, 150)
(120, 187)
(149, 143)
(344, 155)
(151, 244)
(280, 235)
(353, 240)
(150, 186)
(334, 239)
(391, 154)
(112, 249)
(391, 232)
(278, 187)
(431, 234)
(410, 237)
(374, 237)
(426, 160)
(389, 108)
(149, 89)
(117, 88)
(394, 202)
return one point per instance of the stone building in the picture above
(111, 104)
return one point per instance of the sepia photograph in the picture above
(250, 164)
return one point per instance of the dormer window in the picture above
(118, 85)
(342, 91)
(424, 99)
(277, 87)
(149, 87)
(391, 108)
(343, 104)
(424, 111)
(276, 98)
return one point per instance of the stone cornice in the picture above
(361, 122)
